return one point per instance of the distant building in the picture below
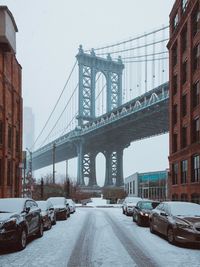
(10, 109)
(28, 128)
(184, 53)
(151, 185)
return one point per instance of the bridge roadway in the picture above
(140, 118)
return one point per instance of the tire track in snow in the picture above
(131, 247)
(82, 252)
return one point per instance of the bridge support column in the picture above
(108, 175)
(120, 176)
(80, 178)
(92, 178)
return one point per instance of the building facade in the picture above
(150, 185)
(10, 109)
(184, 53)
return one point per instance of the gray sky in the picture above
(47, 42)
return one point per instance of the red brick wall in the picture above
(11, 116)
(186, 153)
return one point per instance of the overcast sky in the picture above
(47, 42)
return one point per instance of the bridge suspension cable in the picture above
(56, 104)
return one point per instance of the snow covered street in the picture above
(100, 237)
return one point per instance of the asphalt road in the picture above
(99, 237)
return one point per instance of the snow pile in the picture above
(97, 202)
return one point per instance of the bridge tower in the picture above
(89, 66)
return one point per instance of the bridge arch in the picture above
(100, 93)
(100, 168)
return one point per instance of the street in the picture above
(100, 237)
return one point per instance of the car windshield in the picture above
(185, 209)
(148, 205)
(133, 200)
(57, 200)
(42, 205)
(11, 205)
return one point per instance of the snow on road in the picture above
(100, 237)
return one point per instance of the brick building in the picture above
(184, 53)
(10, 108)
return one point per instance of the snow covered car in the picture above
(19, 219)
(47, 212)
(142, 211)
(72, 206)
(129, 204)
(61, 207)
(178, 221)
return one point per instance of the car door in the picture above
(163, 219)
(156, 217)
(35, 215)
(28, 216)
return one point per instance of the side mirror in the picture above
(27, 209)
(163, 214)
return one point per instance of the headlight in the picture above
(184, 225)
(9, 224)
(143, 213)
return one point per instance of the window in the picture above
(174, 84)
(195, 168)
(176, 19)
(1, 132)
(17, 141)
(184, 5)
(9, 137)
(196, 21)
(184, 105)
(184, 197)
(175, 173)
(133, 187)
(1, 172)
(195, 130)
(184, 168)
(184, 39)
(130, 187)
(9, 173)
(174, 114)
(184, 137)
(174, 55)
(174, 142)
(195, 198)
(196, 55)
(184, 72)
(174, 197)
(195, 94)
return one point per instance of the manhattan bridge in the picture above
(114, 95)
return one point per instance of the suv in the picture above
(129, 204)
(19, 219)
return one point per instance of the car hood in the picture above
(60, 206)
(146, 211)
(6, 216)
(189, 220)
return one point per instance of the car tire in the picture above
(54, 220)
(65, 216)
(151, 228)
(40, 230)
(139, 221)
(50, 225)
(170, 235)
(21, 244)
(123, 211)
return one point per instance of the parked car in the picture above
(72, 206)
(129, 204)
(178, 221)
(48, 213)
(19, 219)
(61, 207)
(142, 211)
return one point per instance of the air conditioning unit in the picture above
(8, 29)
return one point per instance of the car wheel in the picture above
(68, 215)
(22, 240)
(65, 216)
(40, 231)
(49, 225)
(151, 228)
(170, 236)
(54, 220)
(123, 211)
(139, 221)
